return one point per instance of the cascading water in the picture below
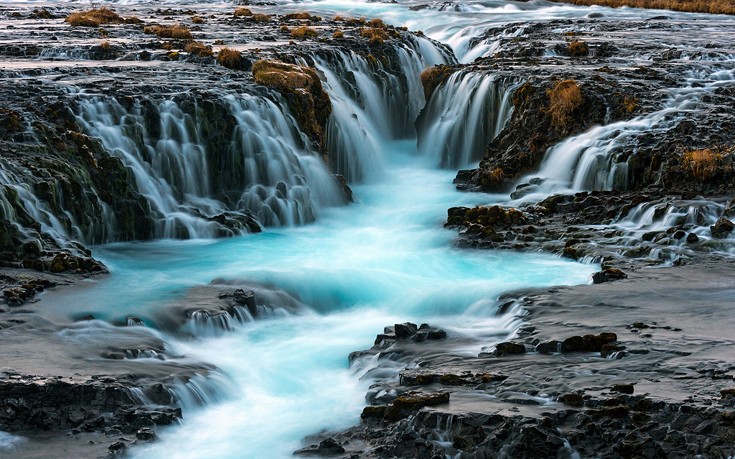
(369, 106)
(462, 116)
(266, 170)
(356, 269)
(591, 161)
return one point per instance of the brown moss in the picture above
(564, 98)
(94, 17)
(198, 49)
(197, 20)
(702, 164)
(283, 76)
(433, 77)
(497, 175)
(630, 103)
(377, 24)
(578, 48)
(230, 58)
(177, 31)
(242, 12)
(697, 6)
(261, 18)
(302, 16)
(303, 91)
(338, 34)
(376, 35)
(302, 33)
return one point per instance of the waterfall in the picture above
(594, 160)
(198, 184)
(369, 104)
(462, 116)
(20, 205)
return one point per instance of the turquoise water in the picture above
(382, 260)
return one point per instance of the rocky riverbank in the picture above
(635, 366)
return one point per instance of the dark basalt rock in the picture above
(51, 404)
(607, 275)
(411, 402)
(623, 388)
(722, 228)
(509, 348)
(325, 448)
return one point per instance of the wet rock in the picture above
(118, 448)
(572, 399)
(588, 343)
(327, 447)
(509, 348)
(411, 402)
(549, 347)
(373, 411)
(607, 275)
(405, 330)
(623, 388)
(722, 228)
(146, 434)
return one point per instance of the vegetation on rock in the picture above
(303, 33)
(97, 17)
(699, 6)
(178, 31)
(564, 98)
(433, 77)
(303, 91)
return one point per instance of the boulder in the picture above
(722, 228)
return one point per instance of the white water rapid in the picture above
(329, 276)
(383, 260)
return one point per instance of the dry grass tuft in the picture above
(630, 103)
(564, 98)
(338, 34)
(230, 58)
(302, 33)
(302, 16)
(377, 24)
(198, 20)
(94, 17)
(242, 12)
(376, 35)
(702, 164)
(695, 6)
(177, 31)
(433, 77)
(261, 18)
(578, 48)
(198, 49)
(284, 76)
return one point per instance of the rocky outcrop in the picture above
(47, 404)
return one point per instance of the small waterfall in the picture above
(198, 390)
(462, 116)
(597, 159)
(20, 205)
(373, 101)
(198, 184)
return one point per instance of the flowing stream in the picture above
(382, 260)
(385, 259)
